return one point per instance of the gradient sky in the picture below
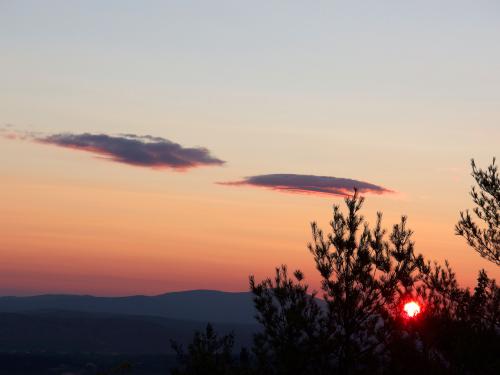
(400, 94)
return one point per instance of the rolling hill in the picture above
(102, 333)
(197, 305)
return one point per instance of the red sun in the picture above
(412, 309)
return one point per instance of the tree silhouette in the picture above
(459, 329)
(485, 240)
(292, 321)
(358, 326)
(365, 279)
(208, 354)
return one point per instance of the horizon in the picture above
(131, 295)
(163, 148)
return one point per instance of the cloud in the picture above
(7, 131)
(309, 184)
(144, 151)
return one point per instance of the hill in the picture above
(76, 332)
(197, 305)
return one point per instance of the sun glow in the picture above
(412, 309)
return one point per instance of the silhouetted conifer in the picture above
(358, 327)
(207, 354)
(484, 239)
(364, 280)
(458, 331)
(292, 326)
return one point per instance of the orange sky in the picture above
(105, 231)
(397, 95)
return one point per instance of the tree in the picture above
(484, 239)
(365, 280)
(208, 354)
(292, 321)
(358, 326)
(459, 329)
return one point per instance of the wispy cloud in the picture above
(8, 131)
(137, 150)
(309, 184)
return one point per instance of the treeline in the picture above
(356, 323)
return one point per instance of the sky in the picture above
(156, 146)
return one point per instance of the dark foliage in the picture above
(293, 336)
(209, 354)
(485, 239)
(459, 329)
(358, 327)
(365, 279)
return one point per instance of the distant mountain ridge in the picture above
(195, 305)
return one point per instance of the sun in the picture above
(412, 309)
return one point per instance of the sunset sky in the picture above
(155, 146)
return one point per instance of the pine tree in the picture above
(365, 280)
(292, 321)
(484, 239)
(208, 354)
(458, 329)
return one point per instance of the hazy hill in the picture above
(197, 305)
(75, 332)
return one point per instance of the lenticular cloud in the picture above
(144, 151)
(309, 184)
